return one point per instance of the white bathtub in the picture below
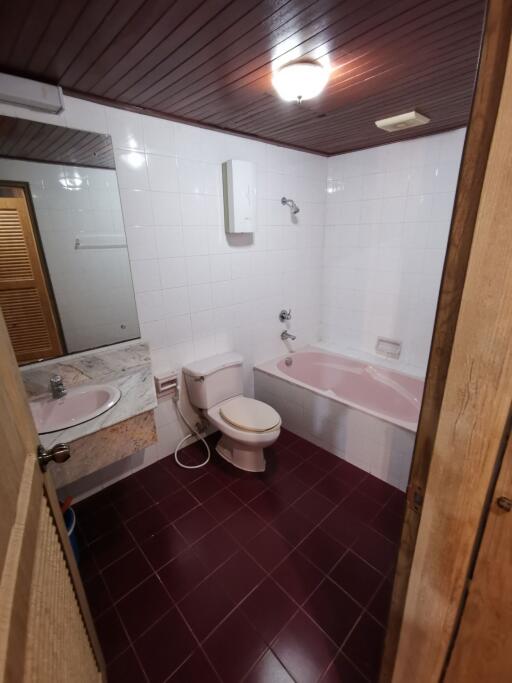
(362, 412)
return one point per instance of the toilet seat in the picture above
(250, 415)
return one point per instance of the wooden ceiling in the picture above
(210, 61)
(33, 141)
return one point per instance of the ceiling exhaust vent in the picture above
(402, 121)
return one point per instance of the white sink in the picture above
(80, 404)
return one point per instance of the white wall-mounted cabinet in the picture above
(239, 185)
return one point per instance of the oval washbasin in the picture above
(80, 404)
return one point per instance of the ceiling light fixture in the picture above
(300, 80)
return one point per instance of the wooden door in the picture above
(24, 295)
(46, 631)
(473, 419)
(491, 72)
(483, 647)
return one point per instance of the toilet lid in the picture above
(249, 414)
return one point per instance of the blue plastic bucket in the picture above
(70, 521)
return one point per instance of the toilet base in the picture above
(248, 459)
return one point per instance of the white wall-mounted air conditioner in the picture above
(32, 94)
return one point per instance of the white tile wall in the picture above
(388, 214)
(362, 261)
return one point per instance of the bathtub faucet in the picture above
(286, 335)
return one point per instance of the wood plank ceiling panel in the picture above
(209, 62)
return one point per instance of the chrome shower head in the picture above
(289, 202)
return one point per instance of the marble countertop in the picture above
(128, 368)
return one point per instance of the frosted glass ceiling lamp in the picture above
(300, 80)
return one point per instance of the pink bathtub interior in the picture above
(385, 393)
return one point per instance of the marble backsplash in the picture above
(87, 366)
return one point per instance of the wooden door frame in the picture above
(466, 248)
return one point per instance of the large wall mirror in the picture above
(65, 280)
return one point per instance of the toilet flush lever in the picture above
(199, 379)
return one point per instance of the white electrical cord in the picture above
(193, 432)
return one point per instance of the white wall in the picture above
(92, 288)
(198, 292)
(387, 220)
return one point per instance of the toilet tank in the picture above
(213, 380)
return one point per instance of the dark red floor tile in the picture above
(333, 489)
(125, 669)
(379, 604)
(98, 596)
(177, 504)
(297, 576)
(244, 525)
(143, 606)
(133, 504)
(124, 574)
(376, 550)
(292, 525)
(239, 575)
(196, 669)
(206, 606)
(268, 548)
(304, 649)
(88, 567)
(302, 449)
(396, 503)
(268, 505)
(268, 609)
(163, 648)
(356, 577)
(364, 646)
(357, 505)
(158, 481)
(268, 669)
(321, 549)
(181, 474)
(123, 488)
(111, 547)
(290, 488)
(377, 489)
(234, 647)
(342, 671)
(183, 574)
(215, 548)
(313, 506)
(93, 503)
(349, 474)
(195, 524)
(388, 524)
(223, 504)
(205, 487)
(280, 463)
(111, 635)
(248, 488)
(342, 526)
(333, 610)
(97, 523)
(147, 523)
(309, 473)
(286, 438)
(325, 461)
(164, 546)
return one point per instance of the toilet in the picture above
(215, 388)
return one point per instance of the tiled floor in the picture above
(217, 575)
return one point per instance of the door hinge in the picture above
(415, 497)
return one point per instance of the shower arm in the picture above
(291, 204)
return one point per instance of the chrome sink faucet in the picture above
(287, 335)
(57, 388)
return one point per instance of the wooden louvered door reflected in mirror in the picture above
(25, 295)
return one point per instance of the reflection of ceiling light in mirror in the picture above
(300, 80)
(134, 159)
(71, 183)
